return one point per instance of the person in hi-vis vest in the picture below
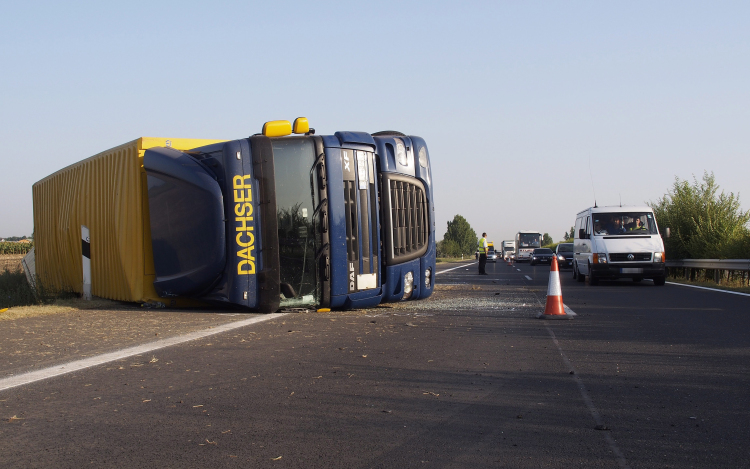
(483, 254)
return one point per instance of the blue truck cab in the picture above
(276, 221)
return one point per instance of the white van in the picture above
(618, 242)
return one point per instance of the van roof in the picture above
(617, 208)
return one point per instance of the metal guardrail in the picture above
(716, 264)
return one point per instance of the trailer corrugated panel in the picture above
(108, 193)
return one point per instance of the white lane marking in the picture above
(527, 277)
(711, 289)
(518, 270)
(454, 268)
(584, 393)
(589, 403)
(78, 365)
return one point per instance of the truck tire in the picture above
(659, 281)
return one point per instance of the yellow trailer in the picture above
(107, 193)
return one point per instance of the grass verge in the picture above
(441, 260)
(15, 291)
(709, 284)
(60, 305)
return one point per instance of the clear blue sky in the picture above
(513, 98)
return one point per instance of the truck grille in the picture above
(407, 226)
(623, 256)
(352, 228)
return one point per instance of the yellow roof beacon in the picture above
(301, 125)
(277, 128)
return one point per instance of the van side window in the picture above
(577, 228)
(588, 227)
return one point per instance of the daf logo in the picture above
(631, 257)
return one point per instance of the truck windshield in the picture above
(627, 224)
(295, 204)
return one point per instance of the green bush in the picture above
(704, 223)
(16, 291)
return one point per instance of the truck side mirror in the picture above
(582, 233)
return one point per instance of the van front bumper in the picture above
(629, 270)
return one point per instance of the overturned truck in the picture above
(273, 221)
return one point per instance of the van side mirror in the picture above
(668, 233)
(582, 233)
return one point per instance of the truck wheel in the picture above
(659, 281)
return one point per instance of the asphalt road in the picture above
(644, 376)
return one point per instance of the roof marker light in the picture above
(301, 125)
(277, 128)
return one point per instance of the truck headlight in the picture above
(659, 257)
(600, 258)
(408, 285)
(427, 277)
(401, 153)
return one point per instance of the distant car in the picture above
(564, 252)
(541, 256)
(491, 255)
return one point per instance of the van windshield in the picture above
(624, 223)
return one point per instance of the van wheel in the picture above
(593, 281)
(580, 277)
(575, 275)
(659, 281)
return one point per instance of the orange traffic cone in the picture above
(554, 309)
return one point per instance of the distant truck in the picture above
(268, 222)
(508, 249)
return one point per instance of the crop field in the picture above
(15, 248)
